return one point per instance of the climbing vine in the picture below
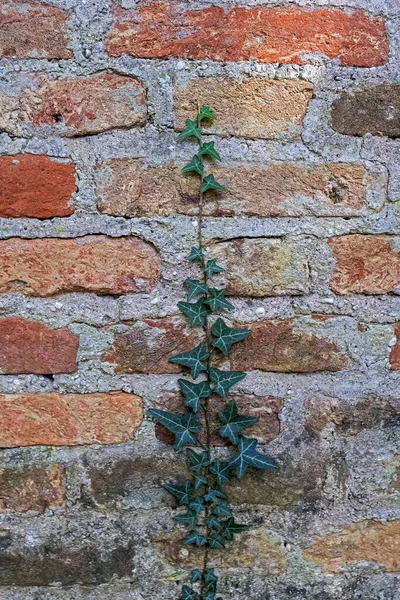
(207, 512)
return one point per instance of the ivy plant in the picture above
(206, 511)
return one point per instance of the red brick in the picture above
(68, 419)
(276, 34)
(395, 353)
(31, 488)
(30, 347)
(277, 346)
(74, 106)
(36, 186)
(146, 346)
(365, 264)
(99, 264)
(31, 29)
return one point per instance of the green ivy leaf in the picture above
(222, 470)
(224, 380)
(223, 510)
(205, 112)
(230, 527)
(249, 457)
(214, 496)
(188, 518)
(193, 392)
(210, 596)
(182, 425)
(196, 312)
(195, 288)
(212, 268)
(210, 183)
(197, 505)
(195, 254)
(188, 593)
(234, 422)
(196, 575)
(193, 359)
(191, 130)
(195, 538)
(181, 492)
(208, 149)
(199, 480)
(217, 542)
(214, 523)
(198, 460)
(210, 577)
(216, 300)
(226, 336)
(195, 165)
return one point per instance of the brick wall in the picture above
(95, 222)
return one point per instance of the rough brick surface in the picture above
(68, 419)
(279, 34)
(29, 347)
(33, 29)
(395, 353)
(365, 264)
(36, 186)
(31, 488)
(92, 263)
(74, 106)
(255, 108)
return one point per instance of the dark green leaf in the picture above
(198, 460)
(223, 510)
(188, 518)
(182, 425)
(208, 149)
(195, 165)
(210, 577)
(210, 596)
(196, 312)
(191, 130)
(249, 457)
(193, 359)
(212, 268)
(224, 380)
(197, 505)
(205, 112)
(214, 496)
(196, 575)
(195, 288)
(210, 183)
(229, 528)
(195, 254)
(199, 480)
(222, 470)
(226, 336)
(193, 392)
(217, 542)
(195, 538)
(213, 522)
(181, 492)
(216, 299)
(234, 423)
(188, 593)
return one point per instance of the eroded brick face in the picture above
(395, 353)
(31, 488)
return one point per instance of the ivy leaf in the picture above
(213, 522)
(208, 149)
(195, 288)
(216, 299)
(188, 593)
(224, 380)
(199, 480)
(226, 336)
(210, 577)
(195, 165)
(217, 542)
(234, 423)
(193, 392)
(249, 457)
(188, 518)
(197, 505)
(196, 312)
(223, 510)
(191, 130)
(212, 268)
(210, 596)
(229, 528)
(214, 496)
(195, 254)
(222, 470)
(210, 183)
(181, 492)
(205, 112)
(198, 460)
(182, 425)
(195, 538)
(193, 359)
(196, 575)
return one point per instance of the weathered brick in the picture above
(395, 353)
(32, 29)
(99, 264)
(31, 347)
(370, 541)
(373, 110)
(68, 419)
(365, 264)
(350, 418)
(278, 34)
(146, 346)
(263, 267)
(255, 108)
(74, 106)
(31, 488)
(279, 347)
(265, 408)
(36, 186)
(281, 189)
